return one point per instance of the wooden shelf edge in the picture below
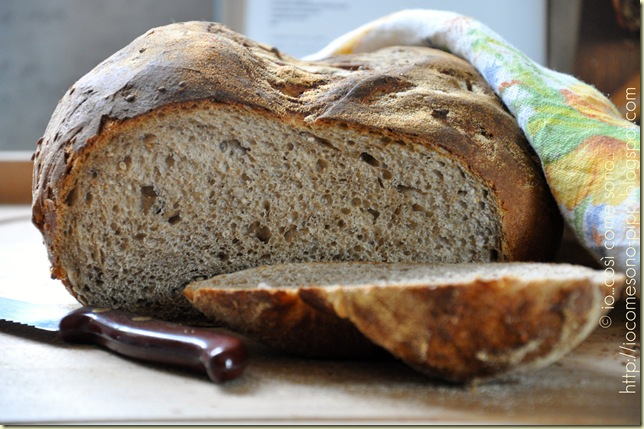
(15, 177)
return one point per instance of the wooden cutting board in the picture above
(43, 380)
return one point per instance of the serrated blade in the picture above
(40, 316)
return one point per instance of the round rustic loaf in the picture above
(194, 151)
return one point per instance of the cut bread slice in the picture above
(457, 322)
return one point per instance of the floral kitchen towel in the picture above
(589, 153)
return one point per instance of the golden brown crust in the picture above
(474, 327)
(471, 333)
(286, 321)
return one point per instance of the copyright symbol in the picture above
(605, 321)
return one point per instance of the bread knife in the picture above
(222, 357)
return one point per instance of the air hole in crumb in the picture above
(148, 197)
(417, 208)
(233, 147)
(321, 165)
(386, 174)
(149, 140)
(290, 234)
(263, 234)
(494, 255)
(312, 138)
(369, 159)
(404, 189)
(438, 174)
(140, 236)
(325, 143)
(169, 161)
(72, 197)
(175, 219)
(88, 198)
(374, 213)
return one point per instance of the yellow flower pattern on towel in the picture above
(591, 106)
(589, 171)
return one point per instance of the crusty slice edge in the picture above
(473, 333)
(461, 331)
(280, 318)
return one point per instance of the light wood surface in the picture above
(43, 380)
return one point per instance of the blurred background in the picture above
(47, 45)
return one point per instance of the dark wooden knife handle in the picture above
(223, 357)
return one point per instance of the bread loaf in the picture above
(194, 151)
(459, 322)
